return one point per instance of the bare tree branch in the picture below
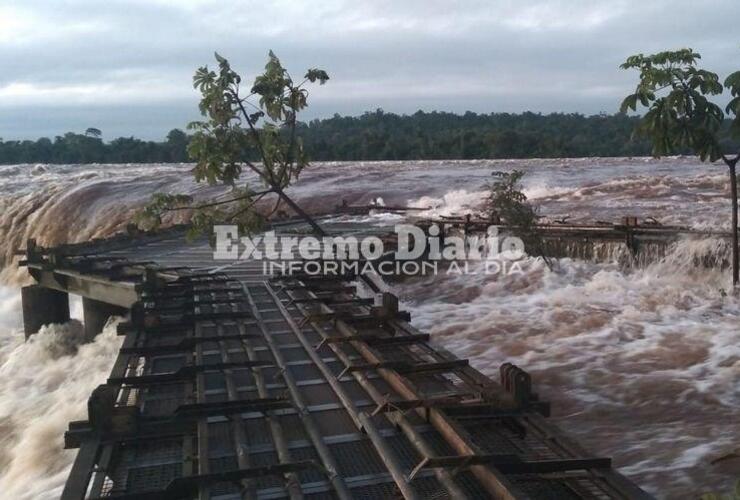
(216, 203)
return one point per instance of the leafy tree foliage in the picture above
(507, 204)
(93, 132)
(387, 136)
(176, 145)
(682, 117)
(87, 148)
(236, 130)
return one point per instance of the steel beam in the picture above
(117, 293)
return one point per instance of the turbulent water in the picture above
(642, 365)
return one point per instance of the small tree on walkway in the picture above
(238, 133)
(506, 203)
(681, 117)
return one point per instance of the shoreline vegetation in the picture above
(379, 135)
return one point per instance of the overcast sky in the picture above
(126, 66)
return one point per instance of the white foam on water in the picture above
(543, 190)
(44, 384)
(457, 202)
(642, 365)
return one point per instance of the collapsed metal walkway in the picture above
(234, 384)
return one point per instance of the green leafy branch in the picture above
(237, 133)
(506, 203)
(681, 116)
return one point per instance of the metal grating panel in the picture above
(357, 458)
(218, 416)
(151, 477)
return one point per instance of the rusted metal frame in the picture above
(201, 277)
(99, 472)
(361, 420)
(483, 384)
(185, 292)
(329, 463)
(338, 288)
(406, 367)
(116, 268)
(124, 363)
(331, 302)
(119, 293)
(248, 490)
(93, 258)
(434, 367)
(512, 464)
(292, 481)
(191, 304)
(189, 440)
(204, 466)
(185, 487)
(185, 345)
(182, 487)
(186, 320)
(376, 340)
(136, 272)
(314, 278)
(449, 364)
(93, 452)
(482, 225)
(188, 461)
(228, 408)
(479, 383)
(185, 373)
(582, 491)
(397, 419)
(446, 403)
(619, 486)
(169, 289)
(79, 477)
(367, 367)
(494, 482)
(116, 242)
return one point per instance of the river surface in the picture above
(642, 365)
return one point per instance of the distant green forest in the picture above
(377, 136)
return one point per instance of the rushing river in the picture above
(642, 365)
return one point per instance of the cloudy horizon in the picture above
(125, 67)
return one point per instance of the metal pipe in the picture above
(399, 420)
(493, 481)
(322, 449)
(361, 420)
(278, 437)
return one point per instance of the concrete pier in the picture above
(43, 306)
(96, 315)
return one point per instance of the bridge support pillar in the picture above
(96, 314)
(43, 306)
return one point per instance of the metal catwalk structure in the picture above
(233, 384)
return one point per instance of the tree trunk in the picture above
(298, 210)
(733, 193)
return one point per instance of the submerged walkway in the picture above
(232, 384)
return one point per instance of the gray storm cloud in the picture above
(125, 66)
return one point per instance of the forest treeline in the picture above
(377, 136)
